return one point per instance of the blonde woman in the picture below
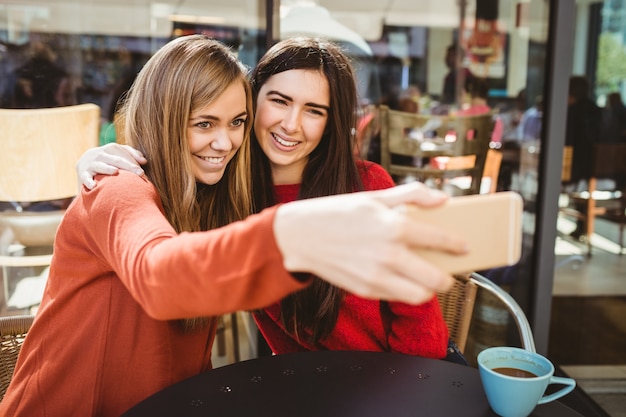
(135, 283)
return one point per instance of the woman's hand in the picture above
(360, 243)
(108, 159)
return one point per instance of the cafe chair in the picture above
(608, 162)
(491, 171)
(40, 148)
(13, 330)
(366, 129)
(618, 216)
(458, 303)
(437, 150)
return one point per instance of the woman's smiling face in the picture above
(291, 116)
(215, 133)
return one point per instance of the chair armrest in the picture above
(526, 334)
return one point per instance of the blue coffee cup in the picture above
(515, 380)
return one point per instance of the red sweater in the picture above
(103, 338)
(364, 324)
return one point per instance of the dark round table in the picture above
(328, 384)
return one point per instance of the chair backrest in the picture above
(457, 305)
(440, 147)
(13, 330)
(566, 169)
(609, 161)
(40, 148)
(492, 169)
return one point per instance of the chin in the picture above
(210, 179)
(214, 181)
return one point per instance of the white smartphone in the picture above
(491, 224)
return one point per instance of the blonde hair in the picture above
(185, 74)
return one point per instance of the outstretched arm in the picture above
(108, 159)
(359, 243)
(355, 241)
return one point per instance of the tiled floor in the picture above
(604, 273)
(605, 384)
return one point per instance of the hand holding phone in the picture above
(491, 224)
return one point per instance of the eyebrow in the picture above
(286, 97)
(210, 117)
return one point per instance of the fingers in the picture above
(137, 155)
(86, 179)
(120, 156)
(99, 167)
(420, 273)
(404, 277)
(109, 164)
(108, 159)
(414, 192)
(420, 233)
(433, 237)
(398, 288)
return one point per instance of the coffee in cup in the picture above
(518, 373)
(515, 380)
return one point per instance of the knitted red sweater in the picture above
(364, 324)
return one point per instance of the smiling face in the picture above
(215, 132)
(291, 116)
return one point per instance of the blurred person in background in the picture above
(614, 119)
(448, 93)
(41, 82)
(581, 131)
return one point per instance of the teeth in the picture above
(284, 142)
(212, 159)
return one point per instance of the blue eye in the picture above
(239, 122)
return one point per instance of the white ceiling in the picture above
(150, 17)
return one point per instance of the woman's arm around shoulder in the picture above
(108, 159)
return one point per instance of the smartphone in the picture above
(491, 224)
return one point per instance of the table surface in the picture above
(332, 383)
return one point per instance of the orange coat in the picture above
(104, 338)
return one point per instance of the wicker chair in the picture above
(13, 330)
(457, 306)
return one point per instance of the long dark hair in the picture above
(330, 169)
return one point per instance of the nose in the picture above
(291, 120)
(222, 141)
